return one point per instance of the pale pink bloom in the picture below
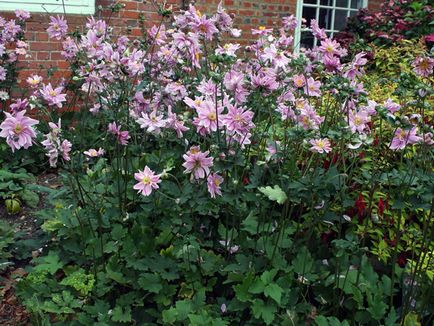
(176, 91)
(223, 308)
(54, 146)
(214, 181)
(147, 181)
(204, 26)
(94, 153)
(197, 163)
(34, 81)
(238, 119)
(360, 60)
(70, 48)
(231, 249)
(391, 106)
(152, 122)
(403, 138)
(319, 33)
(194, 104)
(262, 30)
(235, 32)
(18, 130)
(158, 34)
(234, 81)
(228, 49)
(174, 123)
(58, 27)
(308, 118)
(299, 81)
(423, 66)
(320, 145)
(3, 73)
(242, 139)
(209, 116)
(275, 56)
(54, 97)
(4, 96)
(427, 138)
(371, 108)
(22, 14)
(95, 108)
(332, 63)
(19, 105)
(358, 121)
(99, 26)
(121, 136)
(289, 23)
(272, 147)
(286, 112)
(65, 149)
(21, 48)
(267, 82)
(329, 47)
(312, 87)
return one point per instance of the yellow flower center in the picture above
(217, 182)
(262, 28)
(18, 128)
(329, 49)
(53, 93)
(212, 116)
(357, 121)
(146, 180)
(298, 82)
(320, 143)
(424, 64)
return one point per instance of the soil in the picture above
(12, 313)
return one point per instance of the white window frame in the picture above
(83, 7)
(318, 6)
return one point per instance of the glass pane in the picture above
(326, 2)
(325, 18)
(353, 13)
(309, 14)
(356, 4)
(340, 19)
(311, 1)
(306, 39)
(342, 3)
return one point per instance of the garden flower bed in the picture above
(207, 183)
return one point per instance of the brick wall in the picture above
(45, 54)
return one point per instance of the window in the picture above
(50, 6)
(330, 14)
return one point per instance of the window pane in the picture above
(309, 14)
(342, 3)
(326, 2)
(325, 18)
(353, 13)
(340, 19)
(306, 39)
(356, 4)
(311, 1)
